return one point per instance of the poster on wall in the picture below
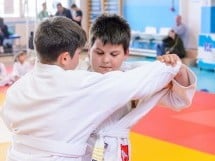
(206, 51)
(206, 47)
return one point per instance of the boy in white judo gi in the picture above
(52, 110)
(109, 47)
(21, 65)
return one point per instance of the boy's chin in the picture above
(103, 71)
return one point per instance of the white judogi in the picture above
(114, 131)
(52, 112)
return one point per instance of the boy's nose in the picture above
(106, 59)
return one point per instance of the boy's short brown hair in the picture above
(56, 35)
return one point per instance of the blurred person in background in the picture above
(4, 33)
(62, 11)
(76, 14)
(43, 14)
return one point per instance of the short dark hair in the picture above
(59, 4)
(73, 6)
(111, 28)
(56, 35)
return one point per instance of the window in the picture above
(29, 8)
(8, 10)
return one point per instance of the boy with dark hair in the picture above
(109, 47)
(104, 32)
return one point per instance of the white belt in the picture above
(121, 136)
(51, 147)
(115, 133)
(120, 131)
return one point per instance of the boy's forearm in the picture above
(181, 90)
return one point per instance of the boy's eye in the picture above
(114, 54)
(99, 53)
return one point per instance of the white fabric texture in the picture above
(67, 106)
(115, 130)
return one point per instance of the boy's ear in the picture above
(63, 59)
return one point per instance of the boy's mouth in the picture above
(106, 68)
